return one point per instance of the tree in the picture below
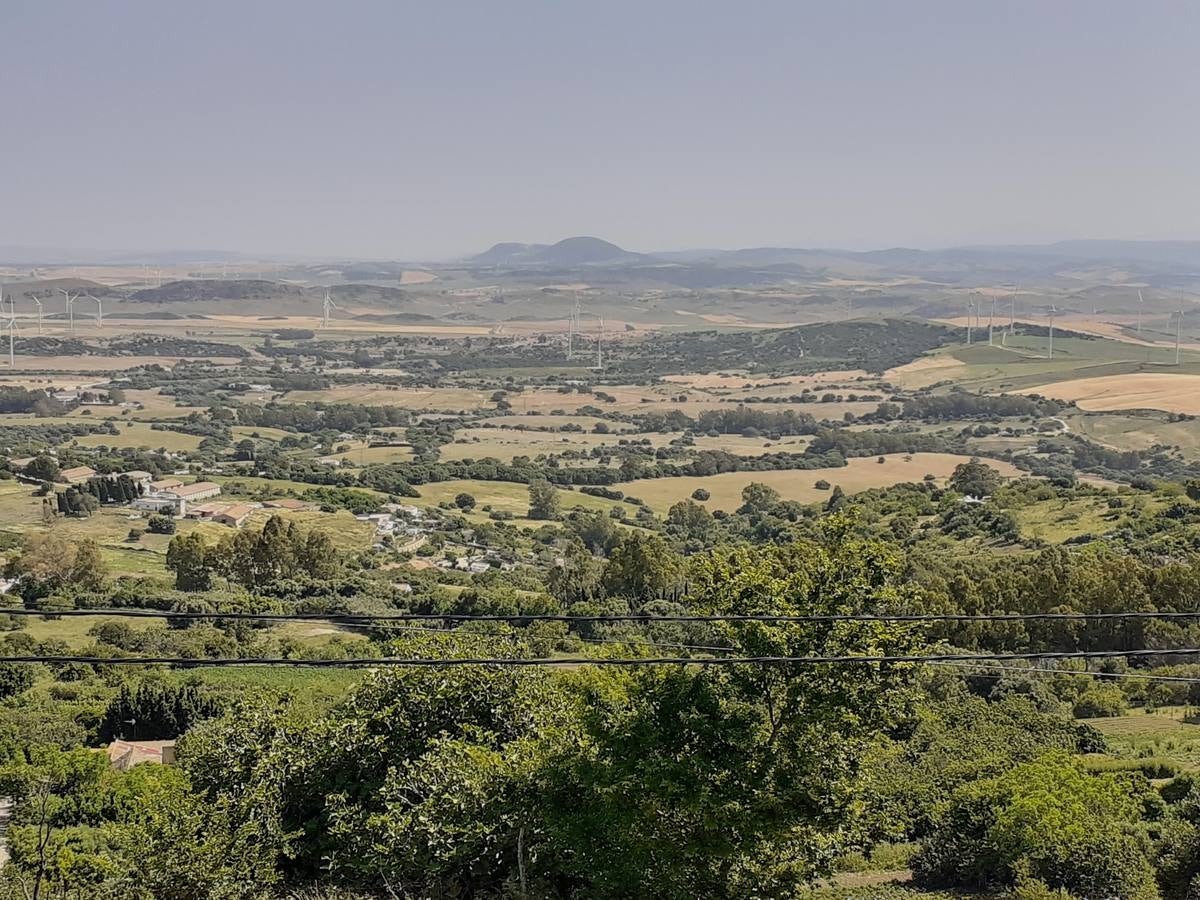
(690, 520)
(543, 500)
(15, 678)
(192, 560)
(43, 468)
(757, 765)
(318, 557)
(642, 567)
(464, 501)
(1192, 487)
(49, 563)
(88, 569)
(161, 524)
(701, 494)
(576, 579)
(975, 479)
(758, 498)
(1048, 820)
(599, 533)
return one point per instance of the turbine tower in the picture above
(1141, 303)
(1178, 334)
(70, 308)
(11, 325)
(991, 320)
(970, 312)
(99, 311)
(326, 307)
(1053, 313)
(600, 346)
(572, 328)
(38, 303)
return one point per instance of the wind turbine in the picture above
(38, 303)
(970, 312)
(1178, 333)
(991, 320)
(572, 327)
(1053, 313)
(600, 345)
(70, 307)
(326, 307)
(99, 311)
(11, 325)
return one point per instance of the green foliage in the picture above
(155, 711)
(543, 500)
(1048, 820)
(252, 559)
(975, 479)
(161, 525)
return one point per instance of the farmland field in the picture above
(137, 434)
(858, 475)
(1170, 392)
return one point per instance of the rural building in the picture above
(124, 755)
(139, 477)
(20, 463)
(232, 514)
(166, 484)
(76, 475)
(201, 490)
(159, 504)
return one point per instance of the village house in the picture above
(161, 504)
(193, 493)
(165, 484)
(76, 475)
(231, 514)
(124, 755)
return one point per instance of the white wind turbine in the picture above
(38, 304)
(1141, 303)
(11, 325)
(70, 308)
(99, 311)
(326, 307)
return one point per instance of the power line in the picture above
(378, 662)
(766, 618)
(587, 640)
(1032, 670)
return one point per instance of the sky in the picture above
(406, 130)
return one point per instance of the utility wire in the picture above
(587, 640)
(502, 662)
(1036, 671)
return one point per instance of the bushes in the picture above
(161, 525)
(1047, 820)
(700, 494)
(1100, 700)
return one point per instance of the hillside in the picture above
(572, 251)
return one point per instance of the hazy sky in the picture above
(417, 130)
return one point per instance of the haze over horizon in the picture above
(419, 132)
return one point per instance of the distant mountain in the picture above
(572, 251)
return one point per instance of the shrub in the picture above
(822, 485)
(1100, 700)
(161, 525)
(700, 494)
(1048, 820)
